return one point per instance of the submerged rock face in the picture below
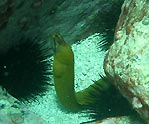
(127, 61)
(74, 20)
(119, 120)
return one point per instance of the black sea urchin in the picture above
(109, 102)
(107, 19)
(24, 69)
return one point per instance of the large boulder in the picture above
(127, 61)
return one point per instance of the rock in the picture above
(127, 61)
(14, 112)
(119, 120)
(74, 20)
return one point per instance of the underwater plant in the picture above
(24, 70)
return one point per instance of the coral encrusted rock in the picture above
(127, 61)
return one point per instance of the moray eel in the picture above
(63, 72)
(92, 93)
(101, 99)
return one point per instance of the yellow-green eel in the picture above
(63, 73)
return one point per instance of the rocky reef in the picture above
(12, 112)
(127, 61)
(75, 20)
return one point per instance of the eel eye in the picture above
(57, 41)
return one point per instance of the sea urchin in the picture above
(24, 69)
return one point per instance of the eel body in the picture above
(63, 72)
